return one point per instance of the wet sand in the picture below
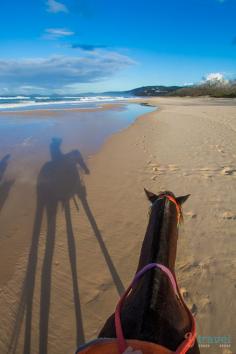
(27, 140)
(187, 146)
(60, 111)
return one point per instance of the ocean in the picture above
(22, 133)
(25, 103)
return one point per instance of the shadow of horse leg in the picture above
(30, 277)
(72, 255)
(51, 209)
(115, 276)
(26, 299)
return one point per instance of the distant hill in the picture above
(212, 89)
(154, 90)
(145, 91)
(227, 90)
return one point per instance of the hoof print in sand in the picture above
(228, 171)
(194, 309)
(229, 215)
(191, 214)
(184, 293)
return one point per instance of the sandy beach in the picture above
(187, 146)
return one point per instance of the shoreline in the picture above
(186, 146)
(148, 101)
(55, 111)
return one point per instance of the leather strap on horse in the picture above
(178, 207)
(190, 337)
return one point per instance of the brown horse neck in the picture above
(153, 298)
(160, 242)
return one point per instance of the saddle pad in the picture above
(109, 346)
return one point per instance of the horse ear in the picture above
(150, 196)
(182, 199)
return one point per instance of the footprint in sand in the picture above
(187, 298)
(220, 149)
(193, 309)
(188, 266)
(229, 215)
(191, 214)
(228, 171)
(184, 293)
(208, 172)
(203, 169)
(158, 170)
(163, 169)
(173, 167)
(205, 304)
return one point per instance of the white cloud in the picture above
(215, 78)
(56, 6)
(60, 71)
(188, 84)
(55, 33)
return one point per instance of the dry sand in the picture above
(186, 146)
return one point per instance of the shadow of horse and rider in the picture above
(58, 182)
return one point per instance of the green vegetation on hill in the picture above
(225, 90)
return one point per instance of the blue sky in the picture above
(73, 46)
